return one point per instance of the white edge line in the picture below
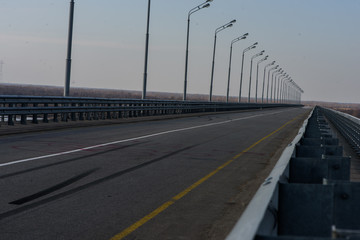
(132, 139)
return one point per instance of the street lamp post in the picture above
(276, 84)
(283, 89)
(146, 51)
(219, 29)
(251, 63)
(263, 87)
(69, 48)
(257, 75)
(290, 91)
(285, 92)
(229, 73)
(297, 93)
(242, 66)
(280, 80)
(268, 81)
(272, 83)
(193, 10)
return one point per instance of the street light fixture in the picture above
(257, 75)
(263, 87)
(251, 62)
(242, 66)
(193, 10)
(231, 47)
(219, 29)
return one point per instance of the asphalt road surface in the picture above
(184, 178)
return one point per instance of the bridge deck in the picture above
(190, 178)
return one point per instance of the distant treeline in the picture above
(354, 112)
(349, 108)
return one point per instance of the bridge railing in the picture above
(347, 125)
(308, 195)
(32, 108)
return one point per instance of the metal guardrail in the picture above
(308, 195)
(261, 213)
(347, 125)
(23, 108)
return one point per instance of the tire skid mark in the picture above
(53, 188)
(88, 185)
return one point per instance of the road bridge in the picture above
(182, 178)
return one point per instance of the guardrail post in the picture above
(120, 111)
(88, 113)
(23, 116)
(130, 112)
(81, 113)
(56, 114)
(34, 118)
(73, 114)
(108, 113)
(64, 116)
(103, 117)
(45, 117)
(10, 117)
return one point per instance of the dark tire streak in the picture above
(88, 185)
(53, 188)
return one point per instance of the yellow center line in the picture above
(164, 206)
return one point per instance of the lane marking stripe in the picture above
(163, 207)
(132, 139)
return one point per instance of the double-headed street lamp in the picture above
(219, 29)
(276, 80)
(286, 90)
(297, 93)
(242, 66)
(268, 81)
(280, 79)
(290, 97)
(257, 75)
(263, 87)
(251, 62)
(231, 47)
(282, 89)
(273, 88)
(193, 10)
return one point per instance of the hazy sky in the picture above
(317, 42)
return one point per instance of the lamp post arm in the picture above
(197, 8)
(229, 73)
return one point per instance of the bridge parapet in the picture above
(308, 195)
(30, 108)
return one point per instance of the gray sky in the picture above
(316, 42)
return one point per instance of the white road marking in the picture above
(133, 139)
